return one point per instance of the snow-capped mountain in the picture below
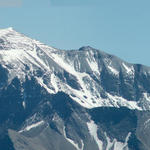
(84, 99)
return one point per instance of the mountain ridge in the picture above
(85, 99)
(24, 49)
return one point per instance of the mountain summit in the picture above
(84, 99)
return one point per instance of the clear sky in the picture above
(119, 27)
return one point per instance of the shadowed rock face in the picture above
(65, 119)
(70, 100)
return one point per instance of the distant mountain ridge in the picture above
(87, 99)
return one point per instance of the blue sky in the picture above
(119, 27)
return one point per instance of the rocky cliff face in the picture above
(82, 99)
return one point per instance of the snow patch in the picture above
(116, 145)
(113, 70)
(93, 131)
(129, 70)
(146, 96)
(92, 62)
(71, 141)
(117, 101)
(147, 123)
(32, 126)
(54, 82)
(41, 82)
(24, 104)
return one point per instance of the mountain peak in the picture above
(6, 30)
(85, 48)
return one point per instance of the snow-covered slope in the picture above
(79, 73)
